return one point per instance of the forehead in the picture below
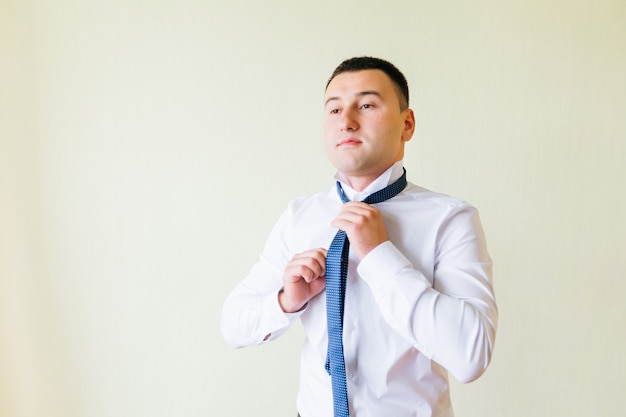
(354, 83)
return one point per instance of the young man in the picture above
(419, 301)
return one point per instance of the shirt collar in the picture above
(390, 175)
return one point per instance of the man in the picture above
(419, 301)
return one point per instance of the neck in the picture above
(360, 183)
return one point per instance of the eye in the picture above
(366, 106)
(334, 111)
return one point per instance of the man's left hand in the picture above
(363, 225)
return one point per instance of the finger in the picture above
(358, 212)
(318, 285)
(317, 255)
(358, 207)
(296, 273)
(349, 219)
(308, 265)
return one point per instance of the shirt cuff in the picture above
(277, 320)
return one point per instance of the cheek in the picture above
(330, 131)
(329, 140)
(394, 130)
(327, 127)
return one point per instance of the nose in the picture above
(348, 121)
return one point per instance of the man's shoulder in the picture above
(425, 196)
(322, 198)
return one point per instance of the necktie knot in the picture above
(379, 196)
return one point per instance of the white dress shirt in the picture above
(417, 307)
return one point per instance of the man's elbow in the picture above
(475, 365)
(470, 374)
(230, 332)
(229, 335)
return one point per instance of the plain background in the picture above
(147, 147)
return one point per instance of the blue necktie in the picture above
(336, 275)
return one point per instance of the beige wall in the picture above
(143, 142)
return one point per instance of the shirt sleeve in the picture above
(452, 320)
(251, 314)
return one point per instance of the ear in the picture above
(409, 125)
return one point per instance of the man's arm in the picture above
(453, 321)
(275, 292)
(251, 311)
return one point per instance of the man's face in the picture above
(364, 129)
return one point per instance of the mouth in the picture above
(349, 142)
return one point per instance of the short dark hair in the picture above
(363, 63)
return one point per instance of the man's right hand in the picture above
(304, 278)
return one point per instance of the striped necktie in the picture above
(336, 275)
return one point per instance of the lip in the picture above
(349, 142)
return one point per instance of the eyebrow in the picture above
(359, 94)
